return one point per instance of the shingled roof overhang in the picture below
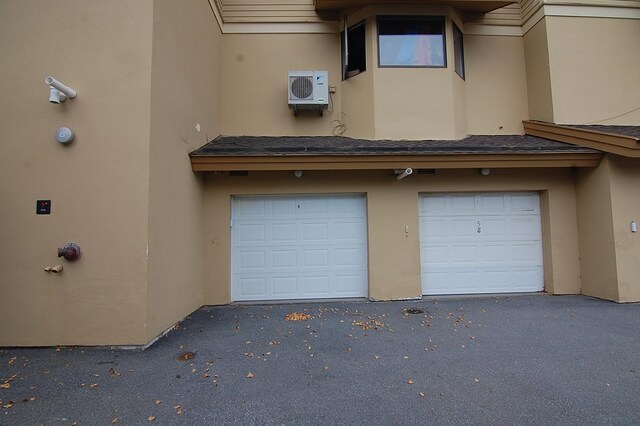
(228, 153)
(620, 140)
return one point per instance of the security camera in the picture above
(58, 92)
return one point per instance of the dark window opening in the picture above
(353, 51)
(458, 51)
(411, 41)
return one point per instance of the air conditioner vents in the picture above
(308, 90)
(301, 87)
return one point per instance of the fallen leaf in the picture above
(116, 420)
(12, 360)
(158, 402)
(186, 356)
(250, 375)
(178, 409)
(151, 418)
(297, 316)
(113, 372)
(409, 382)
(93, 386)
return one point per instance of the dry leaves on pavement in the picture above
(297, 316)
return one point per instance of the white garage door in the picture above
(299, 247)
(480, 243)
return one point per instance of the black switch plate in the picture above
(43, 207)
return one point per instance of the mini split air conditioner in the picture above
(308, 90)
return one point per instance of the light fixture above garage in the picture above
(402, 173)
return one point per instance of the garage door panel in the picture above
(526, 253)
(283, 207)
(435, 254)
(347, 207)
(461, 228)
(492, 227)
(528, 279)
(435, 283)
(251, 260)
(525, 203)
(253, 287)
(252, 233)
(348, 231)
(480, 243)
(250, 208)
(349, 257)
(433, 230)
(314, 258)
(460, 203)
(283, 232)
(494, 253)
(463, 255)
(284, 286)
(316, 286)
(348, 285)
(298, 247)
(315, 232)
(433, 204)
(491, 203)
(527, 227)
(284, 259)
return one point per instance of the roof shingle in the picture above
(340, 145)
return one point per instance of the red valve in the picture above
(70, 252)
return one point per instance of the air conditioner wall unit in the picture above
(308, 90)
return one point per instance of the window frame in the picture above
(439, 18)
(344, 48)
(457, 31)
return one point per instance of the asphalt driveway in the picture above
(509, 360)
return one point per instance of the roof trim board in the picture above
(602, 138)
(370, 162)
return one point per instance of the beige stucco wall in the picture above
(594, 70)
(536, 51)
(392, 205)
(625, 174)
(185, 93)
(419, 103)
(357, 92)
(254, 92)
(595, 225)
(98, 185)
(496, 84)
(381, 103)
